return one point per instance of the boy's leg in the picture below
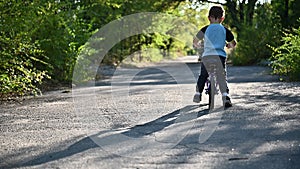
(200, 83)
(219, 66)
(202, 78)
(219, 61)
(223, 78)
(223, 61)
(221, 75)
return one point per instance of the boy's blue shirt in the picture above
(215, 40)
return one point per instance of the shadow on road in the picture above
(137, 131)
(257, 137)
(259, 146)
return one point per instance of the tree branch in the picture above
(208, 1)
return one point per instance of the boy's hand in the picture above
(196, 43)
(196, 46)
(231, 44)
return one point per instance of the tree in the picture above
(288, 10)
(254, 40)
(239, 12)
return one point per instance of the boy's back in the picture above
(215, 40)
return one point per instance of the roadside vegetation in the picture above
(41, 40)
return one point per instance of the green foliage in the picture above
(253, 40)
(138, 48)
(162, 39)
(22, 60)
(286, 57)
(60, 34)
(193, 13)
(18, 74)
(39, 39)
(252, 46)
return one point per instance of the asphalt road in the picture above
(145, 118)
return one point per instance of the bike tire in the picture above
(211, 95)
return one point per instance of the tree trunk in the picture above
(286, 12)
(250, 11)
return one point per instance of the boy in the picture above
(215, 36)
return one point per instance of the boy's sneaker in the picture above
(227, 101)
(197, 98)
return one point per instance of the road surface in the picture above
(145, 118)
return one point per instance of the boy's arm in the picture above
(199, 37)
(230, 39)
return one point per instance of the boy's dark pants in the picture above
(219, 61)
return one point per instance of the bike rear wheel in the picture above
(211, 94)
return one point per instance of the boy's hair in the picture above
(217, 12)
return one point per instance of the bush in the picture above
(286, 58)
(253, 40)
(252, 46)
(18, 72)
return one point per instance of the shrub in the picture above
(19, 74)
(286, 57)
